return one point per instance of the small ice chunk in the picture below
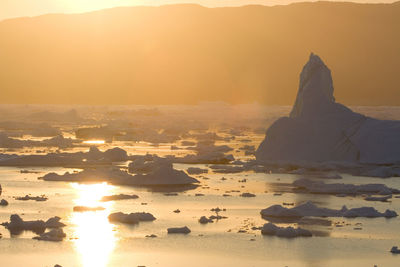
(131, 218)
(17, 225)
(54, 222)
(289, 232)
(205, 220)
(84, 208)
(194, 170)
(151, 236)
(223, 168)
(217, 217)
(368, 212)
(118, 197)
(382, 198)
(27, 197)
(318, 187)
(279, 211)
(395, 250)
(247, 195)
(217, 209)
(3, 202)
(55, 235)
(170, 194)
(178, 230)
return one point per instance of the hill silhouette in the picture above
(185, 54)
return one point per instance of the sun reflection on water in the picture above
(96, 238)
(94, 142)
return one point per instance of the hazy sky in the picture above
(21, 8)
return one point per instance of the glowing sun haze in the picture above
(187, 54)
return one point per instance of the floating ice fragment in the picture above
(289, 232)
(55, 235)
(178, 230)
(131, 218)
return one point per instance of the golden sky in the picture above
(21, 8)
(146, 55)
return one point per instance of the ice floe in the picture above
(118, 197)
(310, 209)
(79, 159)
(288, 232)
(29, 128)
(54, 222)
(164, 174)
(380, 171)
(205, 220)
(57, 141)
(395, 250)
(178, 230)
(380, 198)
(17, 224)
(84, 208)
(194, 170)
(247, 195)
(146, 163)
(131, 218)
(28, 197)
(207, 157)
(318, 187)
(223, 168)
(209, 146)
(54, 235)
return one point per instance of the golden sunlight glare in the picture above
(94, 142)
(95, 236)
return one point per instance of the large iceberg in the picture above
(319, 129)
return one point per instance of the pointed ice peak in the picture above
(315, 88)
(315, 60)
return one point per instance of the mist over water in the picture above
(199, 133)
(92, 240)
